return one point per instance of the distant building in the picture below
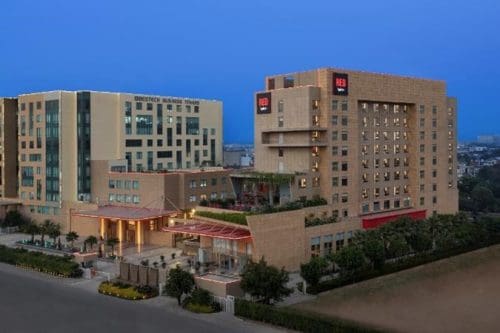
(489, 139)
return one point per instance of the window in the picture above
(344, 197)
(302, 182)
(422, 122)
(335, 150)
(280, 121)
(335, 104)
(281, 105)
(339, 241)
(192, 125)
(335, 135)
(288, 82)
(335, 181)
(149, 106)
(144, 125)
(327, 244)
(315, 247)
(280, 152)
(138, 106)
(192, 198)
(192, 184)
(203, 183)
(344, 166)
(344, 135)
(422, 201)
(335, 166)
(335, 120)
(344, 151)
(344, 120)
(422, 108)
(344, 181)
(344, 105)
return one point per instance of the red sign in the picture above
(376, 221)
(263, 103)
(340, 84)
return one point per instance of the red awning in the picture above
(125, 213)
(380, 219)
(211, 230)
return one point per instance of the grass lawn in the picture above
(458, 294)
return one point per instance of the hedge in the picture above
(238, 218)
(397, 266)
(127, 291)
(45, 263)
(296, 319)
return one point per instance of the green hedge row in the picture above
(296, 320)
(238, 218)
(50, 264)
(396, 266)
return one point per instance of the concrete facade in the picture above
(8, 147)
(389, 133)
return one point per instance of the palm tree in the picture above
(72, 237)
(112, 242)
(91, 240)
(32, 229)
(54, 231)
(45, 229)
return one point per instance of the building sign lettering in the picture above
(263, 103)
(340, 84)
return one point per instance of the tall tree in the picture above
(179, 282)
(91, 240)
(33, 229)
(112, 242)
(266, 283)
(71, 237)
(350, 260)
(313, 270)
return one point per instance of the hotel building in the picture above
(374, 146)
(69, 139)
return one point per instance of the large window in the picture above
(192, 125)
(144, 124)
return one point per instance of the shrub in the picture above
(50, 264)
(127, 291)
(201, 296)
(199, 308)
(238, 218)
(296, 320)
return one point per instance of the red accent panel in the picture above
(374, 222)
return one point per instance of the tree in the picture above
(266, 283)
(112, 242)
(71, 237)
(313, 270)
(14, 219)
(91, 240)
(54, 231)
(483, 199)
(32, 229)
(350, 260)
(45, 229)
(373, 249)
(179, 282)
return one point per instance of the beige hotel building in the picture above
(69, 141)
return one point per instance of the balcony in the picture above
(295, 129)
(304, 144)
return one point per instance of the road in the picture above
(33, 302)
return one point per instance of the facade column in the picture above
(103, 228)
(120, 230)
(139, 236)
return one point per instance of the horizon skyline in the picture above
(224, 50)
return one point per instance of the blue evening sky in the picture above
(223, 49)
